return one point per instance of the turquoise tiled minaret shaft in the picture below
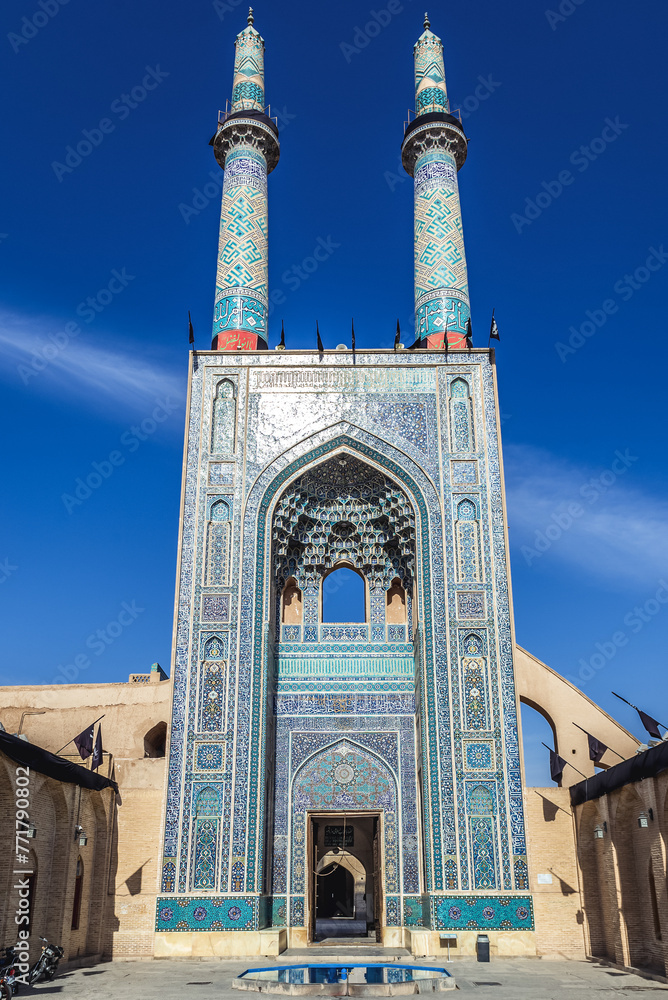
(433, 150)
(246, 147)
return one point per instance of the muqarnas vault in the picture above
(351, 778)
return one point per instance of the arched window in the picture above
(78, 892)
(467, 535)
(395, 611)
(460, 416)
(156, 740)
(218, 543)
(292, 611)
(224, 418)
(343, 596)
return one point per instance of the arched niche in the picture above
(292, 605)
(205, 835)
(223, 421)
(218, 534)
(357, 873)
(395, 604)
(467, 540)
(461, 416)
(78, 894)
(537, 728)
(344, 514)
(155, 740)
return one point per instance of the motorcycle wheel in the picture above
(6, 992)
(35, 974)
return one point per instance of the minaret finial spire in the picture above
(250, 15)
(427, 22)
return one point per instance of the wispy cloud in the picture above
(595, 519)
(45, 356)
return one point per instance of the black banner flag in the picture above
(84, 742)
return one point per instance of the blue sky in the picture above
(102, 261)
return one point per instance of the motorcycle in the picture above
(8, 983)
(7, 974)
(46, 965)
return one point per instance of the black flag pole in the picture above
(352, 334)
(397, 337)
(191, 332)
(282, 341)
(317, 330)
(96, 757)
(598, 741)
(646, 720)
(493, 331)
(566, 763)
(74, 737)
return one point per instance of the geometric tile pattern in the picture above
(479, 756)
(209, 757)
(208, 913)
(241, 278)
(441, 283)
(430, 92)
(248, 84)
(493, 913)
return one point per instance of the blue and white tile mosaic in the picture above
(343, 717)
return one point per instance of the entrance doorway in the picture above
(345, 887)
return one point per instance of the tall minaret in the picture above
(433, 150)
(246, 147)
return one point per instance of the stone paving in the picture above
(501, 979)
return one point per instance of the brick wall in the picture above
(558, 907)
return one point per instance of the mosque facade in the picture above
(381, 755)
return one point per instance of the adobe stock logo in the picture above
(582, 158)
(565, 516)
(635, 620)
(30, 26)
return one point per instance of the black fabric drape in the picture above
(28, 755)
(643, 765)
